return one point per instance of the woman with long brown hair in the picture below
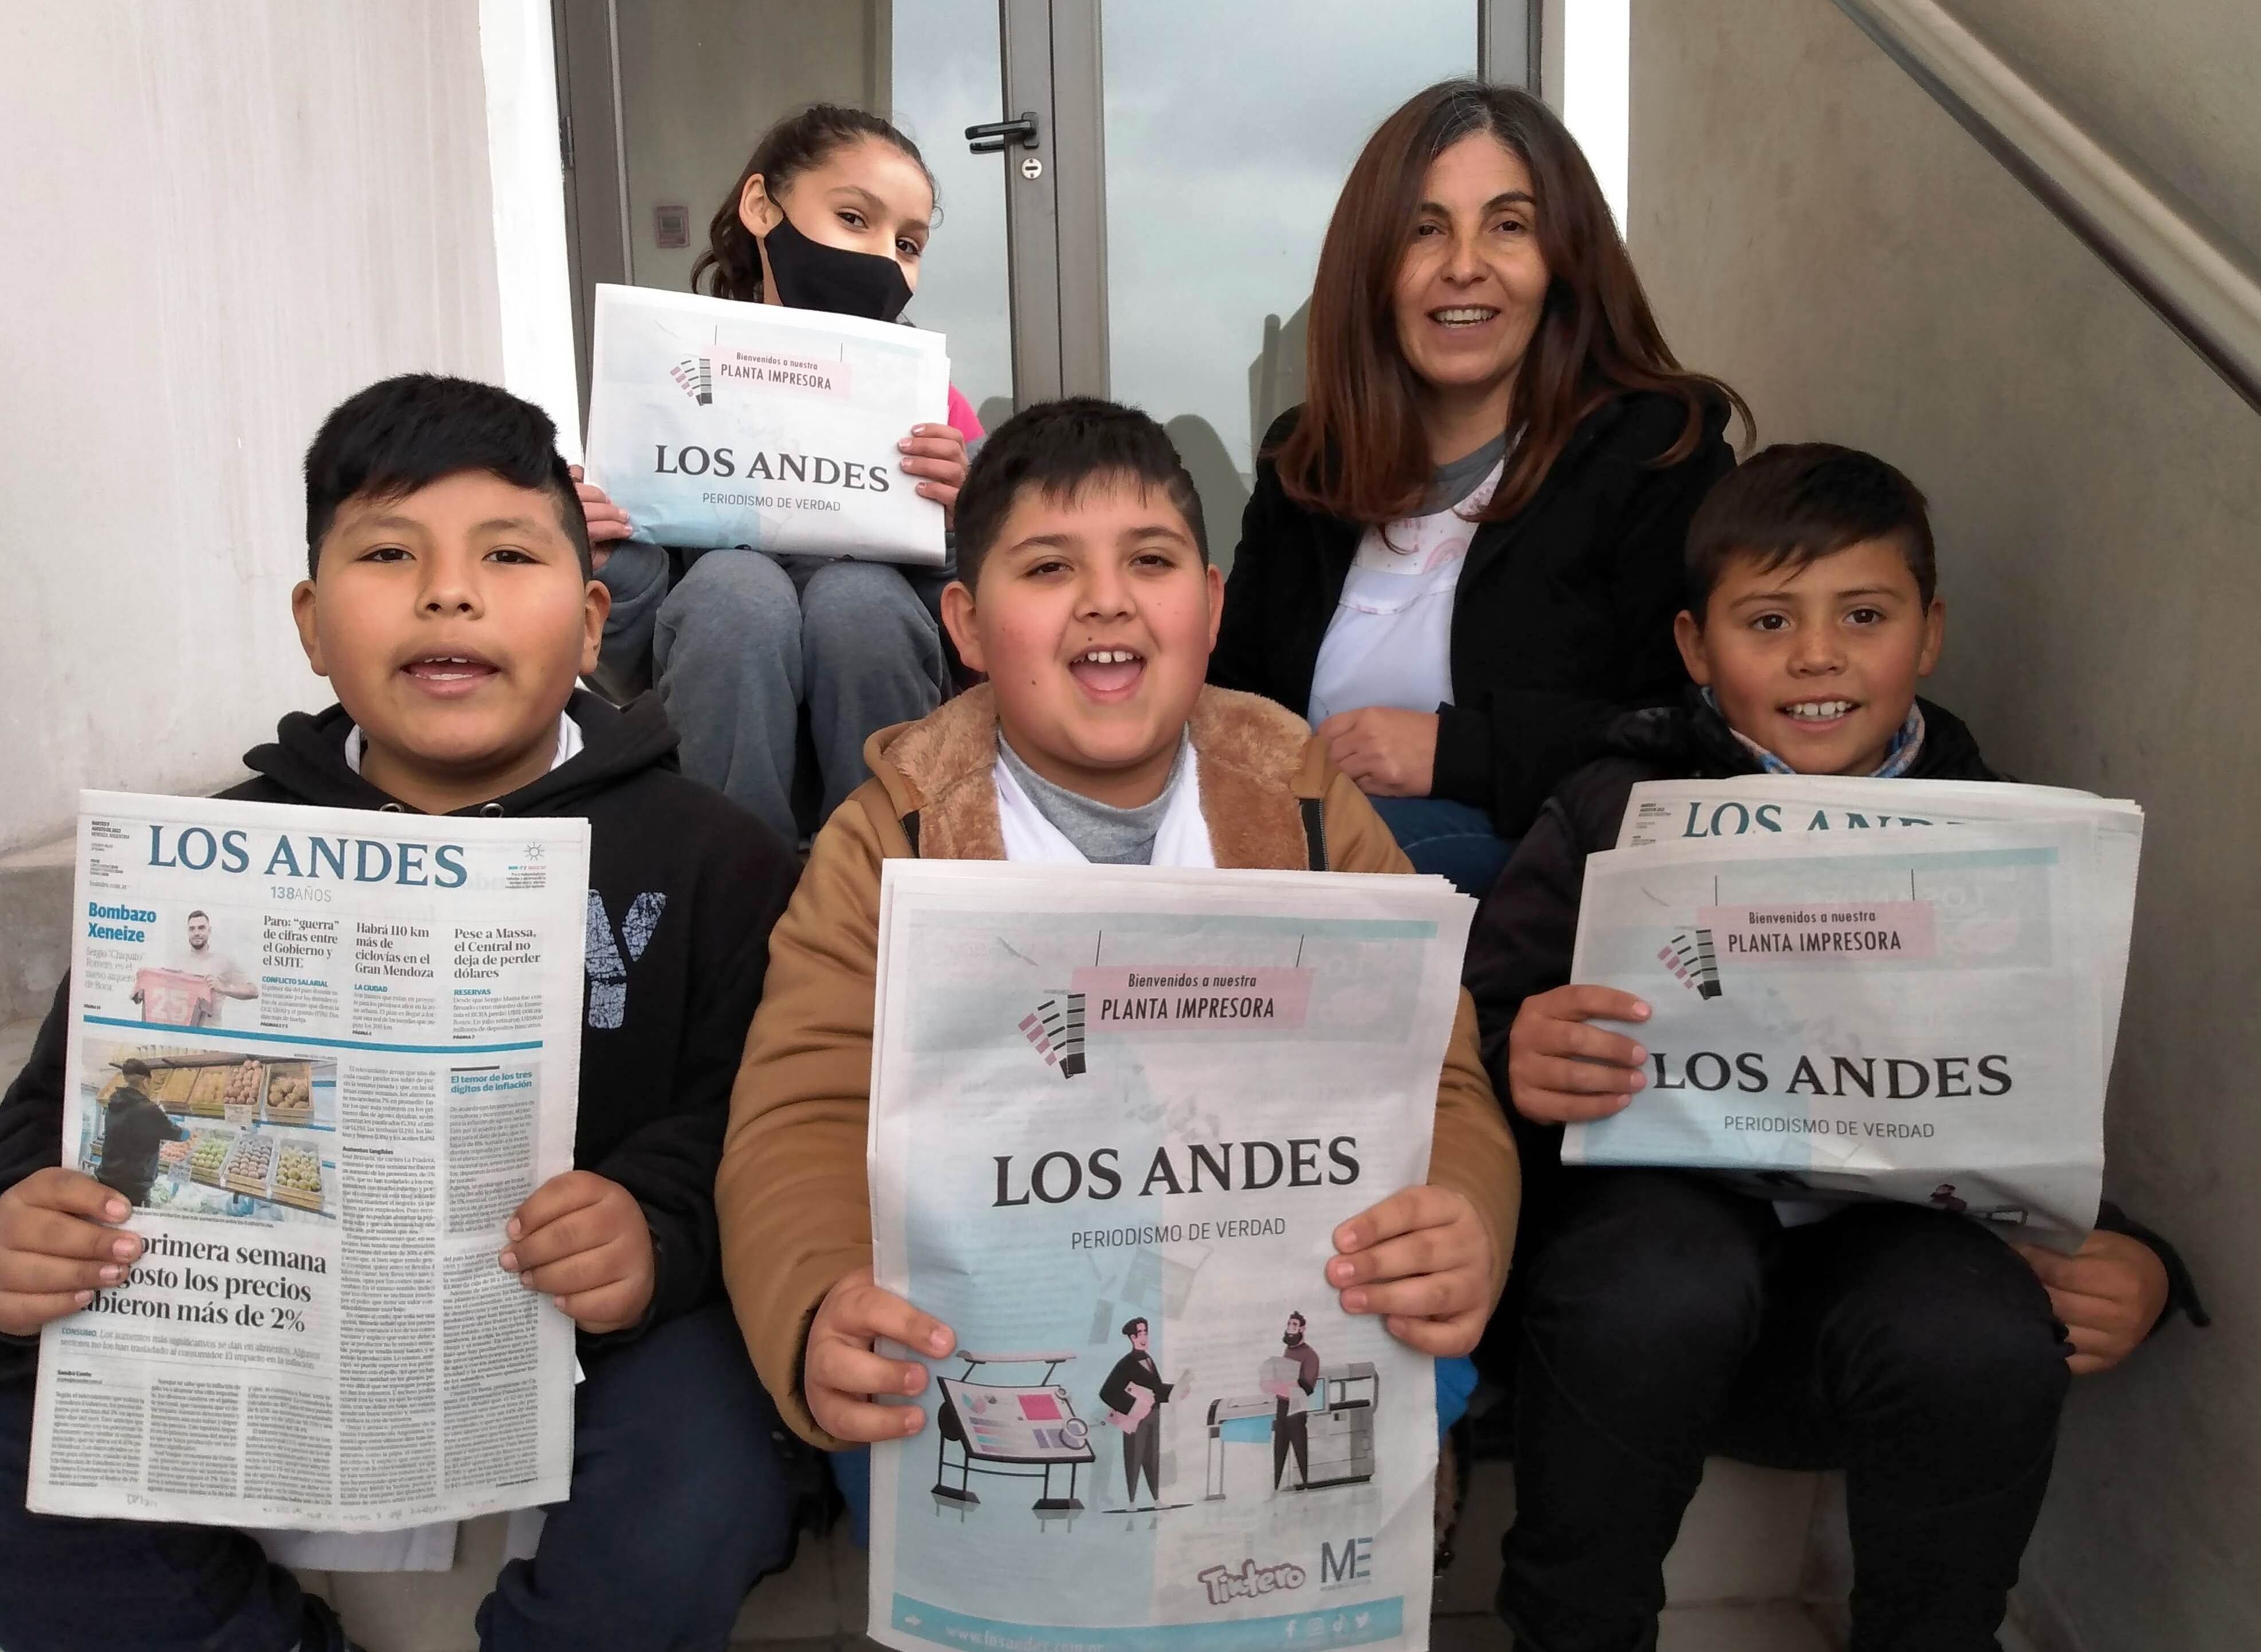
(1462, 555)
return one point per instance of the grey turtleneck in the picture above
(1102, 834)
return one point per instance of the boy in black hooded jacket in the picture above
(448, 599)
(1662, 1314)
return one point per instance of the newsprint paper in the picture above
(714, 423)
(1116, 1116)
(362, 1043)
(1879, 988)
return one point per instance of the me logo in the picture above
(1352, 1564)
(695, 374)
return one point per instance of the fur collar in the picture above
(1257, 761)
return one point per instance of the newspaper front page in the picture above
(715, 423)
(1116, 1116)
(1848, 1004)
(326, 1054)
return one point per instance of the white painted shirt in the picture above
(1389, 642)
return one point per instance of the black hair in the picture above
(1298, 1318)
(731, 266)
(198, 913)
(1061, 447)
(1132, 1326)
(1797, 502)
(405, 434)
(134, 1067)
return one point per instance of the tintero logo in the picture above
(695, 374)
(1688, 955)
(1054, 1029)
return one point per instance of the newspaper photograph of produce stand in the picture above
(212, 1132)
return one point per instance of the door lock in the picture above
(992, 137)
(1032, 168)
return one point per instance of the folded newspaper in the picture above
(1116, 1116)
(713, 422)
(1849, 1002)
(325, 1053)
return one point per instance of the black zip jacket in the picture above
(663, 1022)
(1527, 927)
(1561, 620)
(134, 1127)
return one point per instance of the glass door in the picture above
(662, 102)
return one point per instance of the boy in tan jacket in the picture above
(1087, 596)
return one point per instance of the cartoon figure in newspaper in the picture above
(1132, 1394)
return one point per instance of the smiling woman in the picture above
(1462, 554)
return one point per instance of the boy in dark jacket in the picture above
(449, 601)
(133, 1127)
(1664, 1315)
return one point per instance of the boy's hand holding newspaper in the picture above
(1424, 1259)
(1561, 1071)
(59, 1244)
(583, 1239)
(841, 1371)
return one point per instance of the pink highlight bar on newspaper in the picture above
(1821, 932)
(1196, 995)
(769, 369)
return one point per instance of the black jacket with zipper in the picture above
(1561, 619)
(1526, 929)
(655, 1078)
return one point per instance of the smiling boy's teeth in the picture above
(1820, 710)
(1108, 657)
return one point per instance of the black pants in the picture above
(679, 1504)
(1291, 1431)
(1667, 1317)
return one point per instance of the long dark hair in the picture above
(731, 266)
(1358, 452)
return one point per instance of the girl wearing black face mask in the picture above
(832, 212)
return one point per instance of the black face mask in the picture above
(810, 276)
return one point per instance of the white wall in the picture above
(225, 217)
(1813, 227)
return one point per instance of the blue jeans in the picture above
(852, 1470)
(1454, 840)
(680, 1503)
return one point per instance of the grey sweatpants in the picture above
(745, 639)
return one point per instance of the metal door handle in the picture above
(991, 139)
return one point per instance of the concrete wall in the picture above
(227, 216)
(700, 80)
(1813, 228)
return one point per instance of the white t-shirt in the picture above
(1390, 642)
(217, 964)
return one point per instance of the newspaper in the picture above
(1116, 1114)
(1847, 1003)
(360, 1032)
(713, 422)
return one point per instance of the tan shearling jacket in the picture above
(792, 1195)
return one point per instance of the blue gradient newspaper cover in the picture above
(1869, 988)
(1116, 1114)
(715, 423)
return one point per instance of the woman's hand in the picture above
(608, 524)
(1424, 1259)
(2109, 1294)
(843, 1375)
(1561, 1071)
(936, 452)
(1389, 753)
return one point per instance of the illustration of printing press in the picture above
(1335, 1421)
(1013, 1431)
